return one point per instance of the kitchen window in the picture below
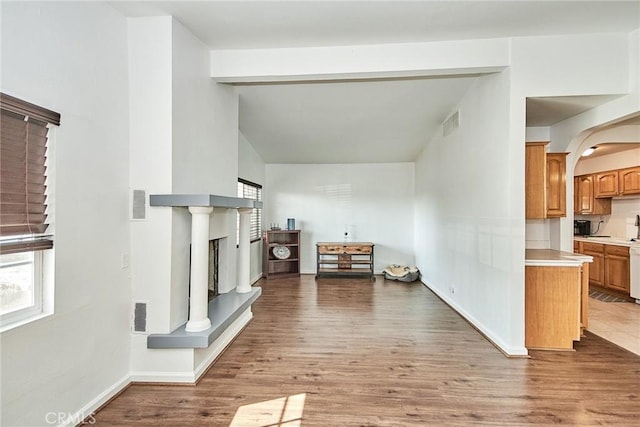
(26, 239)
(251, 190)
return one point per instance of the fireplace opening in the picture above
(214, 256)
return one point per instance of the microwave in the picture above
(581, 227)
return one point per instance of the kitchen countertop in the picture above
(553, 258)
(608, 241)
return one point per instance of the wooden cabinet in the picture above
(617, 268)
(606, 184)
(629, 181)
(611, 266)
(593, 193)
(556, 185)
(596, 269)
(586, 202)
(281, 253)
(545, 182)
(553, 305)
(348, 258)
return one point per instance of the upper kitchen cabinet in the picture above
(606, 184)
(622, 182)
(545, 182)
(556, 185)
(629, 181)
(586, 202)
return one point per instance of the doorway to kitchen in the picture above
(607, 201)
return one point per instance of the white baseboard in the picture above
(163, 377)
(219, 345)
(497, 341)
(214, 350)
(88, 411)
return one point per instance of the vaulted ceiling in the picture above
(376, 121)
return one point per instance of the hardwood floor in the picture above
(349, 352)
(616, 322)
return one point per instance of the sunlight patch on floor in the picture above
(281, 412)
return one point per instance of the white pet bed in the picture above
(402, 273)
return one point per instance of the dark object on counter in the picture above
(581, 227)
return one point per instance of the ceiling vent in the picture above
(451, 124)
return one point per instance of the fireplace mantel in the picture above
(201, 206)
(210, 200)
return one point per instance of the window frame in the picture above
(34, 311)
(256, 212)
(43, 266)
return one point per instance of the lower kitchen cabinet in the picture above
(617, 268)
(596, 269)
(610, 267)
(553, 305)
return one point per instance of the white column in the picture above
(198, 295)
(244, 254)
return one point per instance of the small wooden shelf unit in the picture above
(344, 259)
(274, 267)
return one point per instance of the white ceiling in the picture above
(346, 122)
(379, 121)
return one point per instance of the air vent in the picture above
(451, 124)
(138, 205)
(140, 317)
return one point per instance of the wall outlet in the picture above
(452, 290)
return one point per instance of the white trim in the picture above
(35, 311)
(220, 344)
(215, 350)
(90, 408)
(506, 349)
(162, 377)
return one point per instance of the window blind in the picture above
(23, 148)
(251, 190)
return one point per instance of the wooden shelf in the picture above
(274, 267)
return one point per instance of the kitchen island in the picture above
(556, 298)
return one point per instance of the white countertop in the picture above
(553, 258)
(608, 241)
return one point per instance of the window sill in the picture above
(16, 324)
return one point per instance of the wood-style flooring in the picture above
(350, 352)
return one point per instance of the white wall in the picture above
(252, 168)
(72, 58)
(621, 160)
(195, 150)
(571, 135)
(375, 202)
(467, 242)
(149, 55)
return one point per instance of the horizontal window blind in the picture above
(250, 190)
(23, 149)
